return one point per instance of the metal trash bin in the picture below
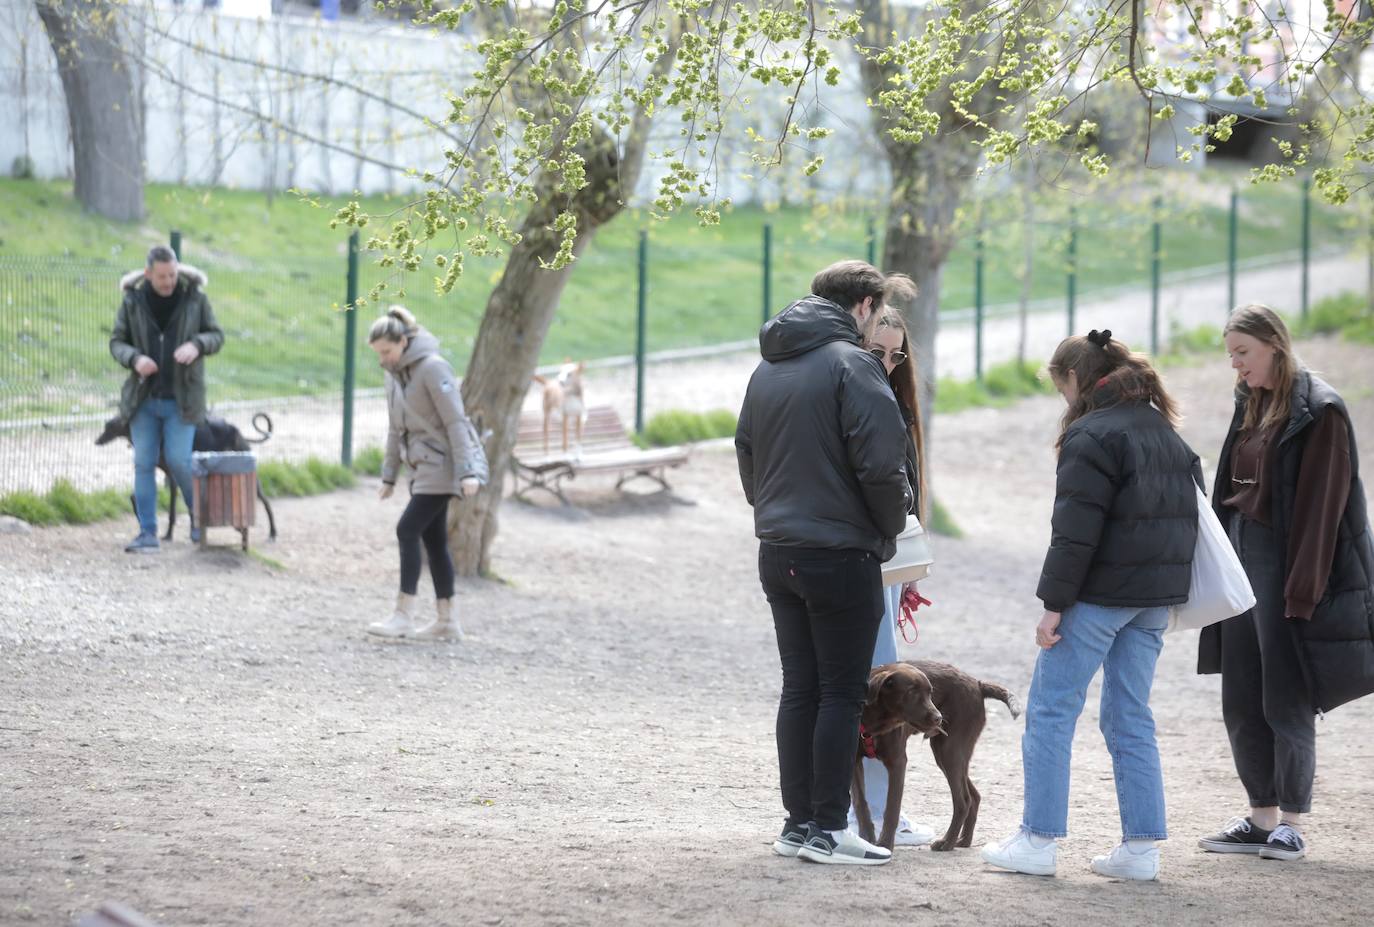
(226, 490)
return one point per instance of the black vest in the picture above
(1337, 645)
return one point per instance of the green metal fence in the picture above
(292, 350)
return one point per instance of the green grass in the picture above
(277, 277)
(942, 523)
(1349, 314)
(368, 461)
(64, 504)
(667, 429)
(1002, 385)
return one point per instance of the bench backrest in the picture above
(603, 431)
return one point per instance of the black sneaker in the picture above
(790, 840)
(1241, 835)
(844, 847)
(1284, 843)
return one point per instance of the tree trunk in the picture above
(102, 106)
(521, 309)
(517, 319)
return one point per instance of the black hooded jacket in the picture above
(821, 442)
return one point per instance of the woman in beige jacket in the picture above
(432, 435)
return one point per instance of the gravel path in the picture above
(210, 738)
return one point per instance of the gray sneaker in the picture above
(143, 544)
(844, 848)
(1285, 843)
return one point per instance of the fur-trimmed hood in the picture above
(193, 277)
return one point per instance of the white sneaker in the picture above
(908, 834)
(1121, 863)
(913, 835)
(841, 848)
(1017, 854)
(402, 620)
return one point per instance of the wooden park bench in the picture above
(606, 448)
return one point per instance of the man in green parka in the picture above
(162, 334)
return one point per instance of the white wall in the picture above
(209, 56)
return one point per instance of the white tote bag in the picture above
(913, 558)
(1220, 588)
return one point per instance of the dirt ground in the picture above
(210, 737)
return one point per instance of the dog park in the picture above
(298, 289)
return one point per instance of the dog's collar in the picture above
(866, 738)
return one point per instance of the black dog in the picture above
(213, 434)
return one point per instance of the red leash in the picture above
(911, 602)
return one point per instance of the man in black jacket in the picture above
(821, 448)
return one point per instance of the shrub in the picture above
(677, 426)
(77, 508)
(369, 461)
(1347, 314)
(30, 507)
(942, 523)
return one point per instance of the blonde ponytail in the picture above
(398, 323)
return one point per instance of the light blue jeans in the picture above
(157, 427)
(1125, 643)
(884, 652)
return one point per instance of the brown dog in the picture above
(942, 702)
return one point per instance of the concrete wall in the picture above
(210, 107)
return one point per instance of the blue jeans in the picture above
(1125, 643)
(884, 652)
(157, 430)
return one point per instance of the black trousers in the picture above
(827, 605)
(425, 519)
(1264, 696)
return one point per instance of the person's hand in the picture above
(906, 588)
(1045, 631)
(385, 491)
(145, 366)
(468, 487)
(187, 353)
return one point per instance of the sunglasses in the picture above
(898, 357)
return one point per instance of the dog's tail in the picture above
(1003, 695)
(264, 433)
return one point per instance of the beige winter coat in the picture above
(429, 431)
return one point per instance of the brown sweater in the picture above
(1323, 490)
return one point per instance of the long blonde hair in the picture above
(1263, 324)
(903, 380)
(398, 323)
(1107, 372)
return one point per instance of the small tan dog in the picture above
(563, 394)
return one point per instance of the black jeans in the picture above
(1264, 697)
(827, 605)
(425, 519)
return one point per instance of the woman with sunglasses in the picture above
(888, 340)
(1288, 490)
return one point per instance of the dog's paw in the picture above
(942, 845)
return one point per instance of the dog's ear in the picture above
(878, 680)
(541, 380)
(581, 366)
(113, 429)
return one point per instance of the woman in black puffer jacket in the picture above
(1124, 529)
